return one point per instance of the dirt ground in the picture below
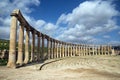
(73, 68)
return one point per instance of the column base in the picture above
(26, 62)
(19, 63)
(11, 65)
(31, 60)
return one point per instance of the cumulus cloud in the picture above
(82, 25)
(89, 19)
(6, 7)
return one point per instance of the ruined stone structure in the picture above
(55, 48)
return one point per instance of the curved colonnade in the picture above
(55, 48)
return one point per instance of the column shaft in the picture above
(27, 47)
(65, 50)
(57, 50)
(32, 46)
(12, 50)
(20, 45)
(71, 51)
(42, 54)
(38, 49)
(60, 50)
(51, 56)
(48, 46)
(68, 51)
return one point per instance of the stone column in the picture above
(51, 56)
(83, 50)
(27, 47)
(68, 51)
(102, 50)
(109, 50)
(60, 49)
(78, 50)
(99, 49)
(42, 54)
(48, 46)
(32, 46)
(65, 50)
(105, 50)
(88, 49)
(20, 45)
(53, 49)
(13, 36)
(75, 49)
(57, 50)
(93, 50)
(38, 49)
(71, 51)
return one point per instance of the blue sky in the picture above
(76, 21)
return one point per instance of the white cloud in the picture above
(89, 19)
(6, 7)
(106, 36)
